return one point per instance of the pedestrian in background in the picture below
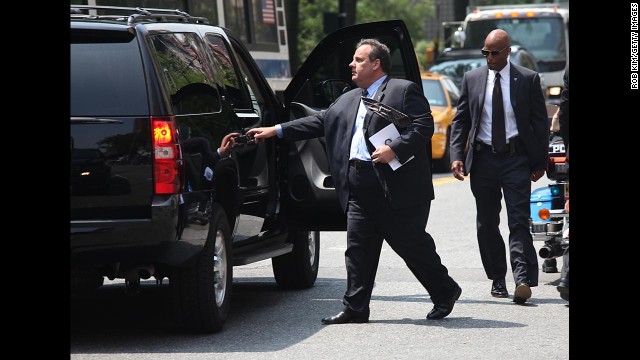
(502, 117)
(563, 286)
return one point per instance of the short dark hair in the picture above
(378, 51)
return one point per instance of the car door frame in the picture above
(307, 194)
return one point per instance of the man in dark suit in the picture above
(380, 203)
(563, 286)
(504, 162)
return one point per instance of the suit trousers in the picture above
(491, 175)
(370, 220)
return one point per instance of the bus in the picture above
(542, 29)
(260, 24)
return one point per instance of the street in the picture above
(267, 323)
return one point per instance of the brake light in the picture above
(167, 157)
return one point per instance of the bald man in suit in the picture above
(497, 168)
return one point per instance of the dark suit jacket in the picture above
(410, 184)
(564, 110)
(529, 107)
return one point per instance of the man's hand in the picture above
(555, 122)
(227, 143)
(383, 155)
(262, 133)
(536, 175)
(457, 169)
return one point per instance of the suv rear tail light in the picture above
(166, 156)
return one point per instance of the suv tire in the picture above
(202, 291)
(299, 268)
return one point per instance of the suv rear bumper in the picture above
(132, 241)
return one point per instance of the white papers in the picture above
(384, 137)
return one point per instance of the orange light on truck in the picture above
(544, 214)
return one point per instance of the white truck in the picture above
(543, 29)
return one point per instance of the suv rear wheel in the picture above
(202, 291)
(299, 268)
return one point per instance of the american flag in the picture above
(268, 14)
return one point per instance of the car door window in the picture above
(257, 100)
(236, 88)
(336, 67)
(186, 72)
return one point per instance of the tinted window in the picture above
(230, 77)
(335, 66)
(543, 36)
(107, 78)
(187, 73)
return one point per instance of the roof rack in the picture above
(135, 15)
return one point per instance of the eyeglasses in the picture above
(492, 52)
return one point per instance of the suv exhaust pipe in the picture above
(135, 273)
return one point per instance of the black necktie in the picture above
(371, 148)
(365, 124)
(498, 134)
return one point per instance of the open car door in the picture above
(307, 187)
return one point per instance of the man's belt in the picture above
(513, 147)
(358, 164)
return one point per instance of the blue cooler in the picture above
(540, 198)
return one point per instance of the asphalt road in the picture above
(266, 323)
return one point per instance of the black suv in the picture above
(144, 82)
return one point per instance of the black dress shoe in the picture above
(499, 289)
(443, 309)
(522, 293)
(563, 288)
(344, 318)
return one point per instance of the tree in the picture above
(413, 12)
(309, 28)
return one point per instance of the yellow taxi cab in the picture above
(443, 95)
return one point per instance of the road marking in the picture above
(445, 180)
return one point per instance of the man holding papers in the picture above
(381, 203)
